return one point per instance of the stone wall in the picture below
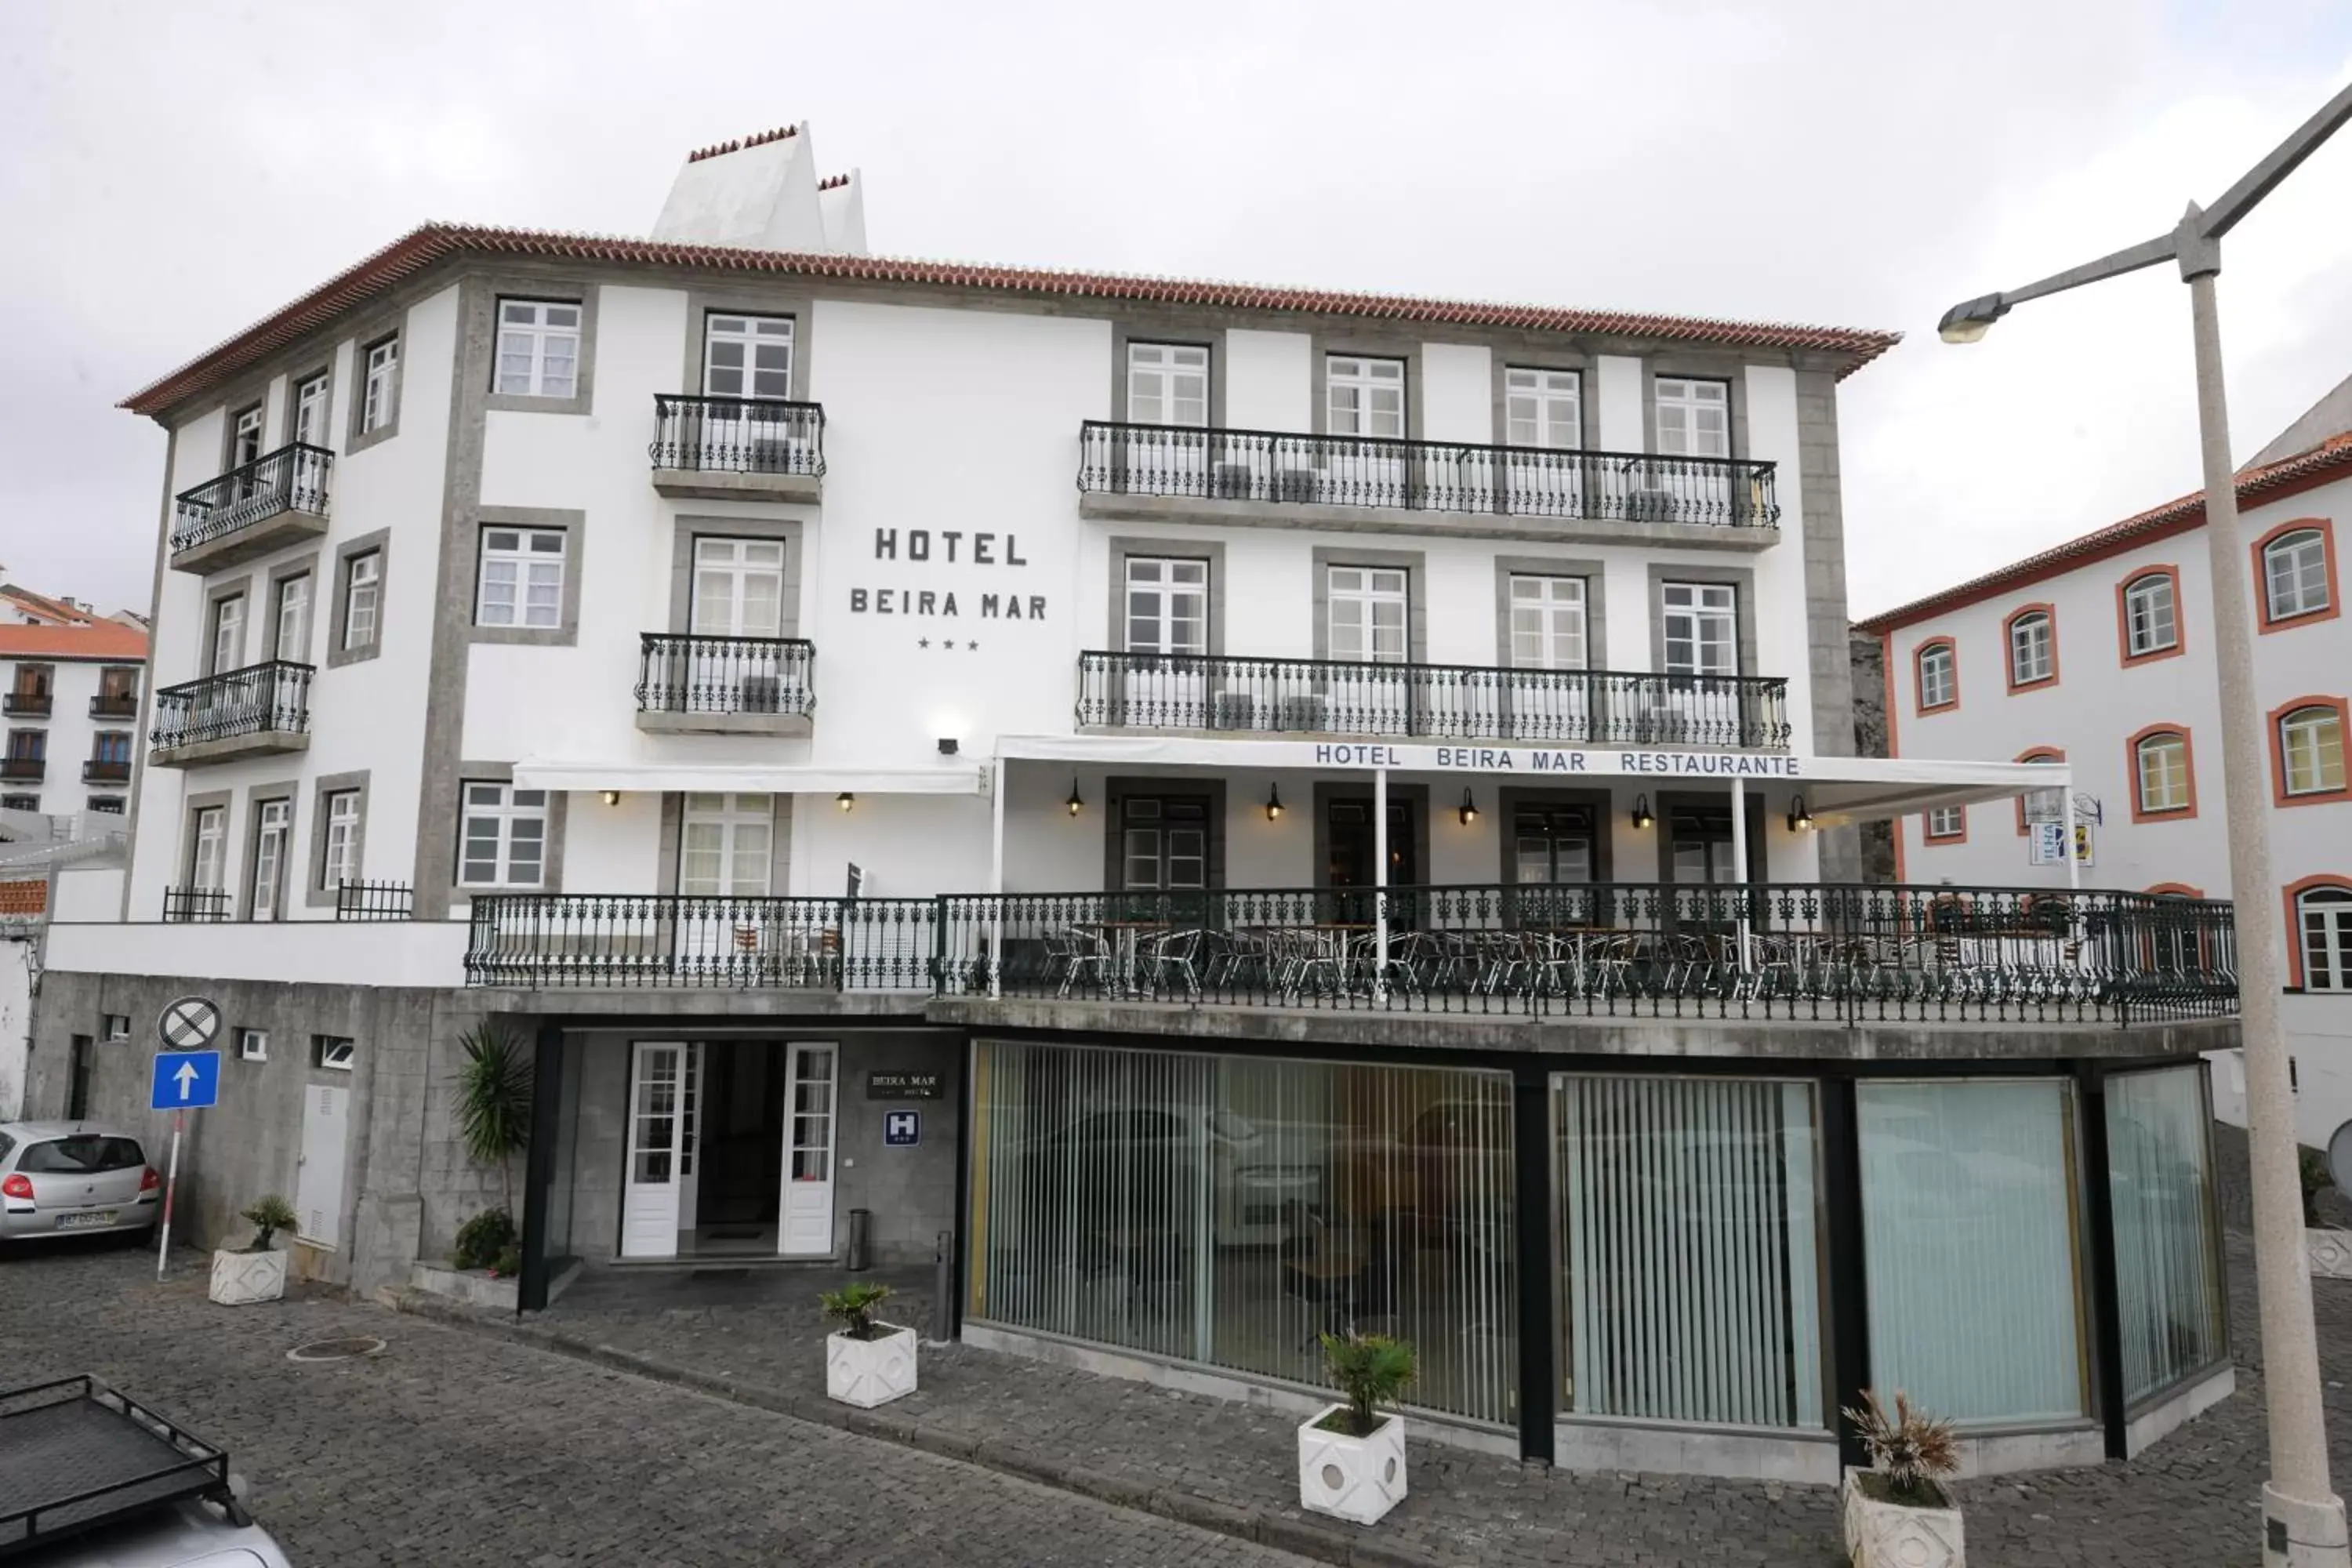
(1869, 660)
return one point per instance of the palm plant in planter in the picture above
(254, 1272)
(494, 1095)
(1352, 1456)
(1897, 1513)
(866, 1362)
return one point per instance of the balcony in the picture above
(1361, 484)
(737, 449)
(249, 713)
(1812, 954)
(1217, 694)
(114, 705)
(188, 906)
(264, 505)
(106, 770)
(24, 770)
(725, 686)
(27, 704)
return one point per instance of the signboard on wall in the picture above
(2045, 844)
(902, 1086)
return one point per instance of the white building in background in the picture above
(2099, 654)
(69, 703)
(1251, 809)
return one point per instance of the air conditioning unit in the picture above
(1232, 481)
(1233, 711)
(762, 694)
(771, 455)
(1308, 713)
(1649, 505)
(1298, 485)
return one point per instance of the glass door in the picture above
(271, 820)
(1168, 387)
(725, 853)
(747, 370)
(805, 1226)
(1369, 617)
(1365, 399)
(1702, 645)
(733, 663)
(651, 1185)
(1167, 615)
(1543, 425)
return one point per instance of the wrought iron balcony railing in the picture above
(1424, 476)
(262, 699)
(27, 704)
(24, 770)
(291, 478)
(375, 901)
(182, 905)
(746, 676)
(737, 434)
(1220, 693)
(106, 770)
(114, 705)
(1819, 953)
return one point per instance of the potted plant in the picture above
(1352, 1456)
(484, 1239)
(1897, 1513)
(866, 1362)
(494, 1094)
(254, 1272)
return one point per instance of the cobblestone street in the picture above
(453, 1449)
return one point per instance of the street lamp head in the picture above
(1966, 324)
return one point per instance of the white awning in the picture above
(746, 778)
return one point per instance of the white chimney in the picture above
(761, 193)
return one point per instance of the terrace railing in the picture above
(375, 901)
(185, 905)
(291, 478)
(766, 676)
(260, 699)
(736, 434)
(683, 940)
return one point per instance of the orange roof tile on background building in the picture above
(57, 611)
(421, 248)
(109, 640)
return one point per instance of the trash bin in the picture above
(861, 1234)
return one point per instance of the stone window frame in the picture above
(1587, 414)
(670, 853)
(255, 798)
(1509, 798)
(1117, 790)
(307, 369)
(246, 587)
(380, 544)
(1730, 369)
(550, 865)
(195, 804)
(1326, 792)
(1596, 619)
(570, 521)
(1416, 564)
(687, 527)
(303, 565)
(1323, 342)
(557, 287)
(390, 328)
(702, 303)
(1213, 552)
(1741, 580)
(316, 894)
(1182, 330)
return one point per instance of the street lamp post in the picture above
(2304, 1525)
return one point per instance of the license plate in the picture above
(88, 1219)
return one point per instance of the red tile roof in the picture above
(2317, 466)
(413, 252)
(719, 149)
(57, 610)
(833, 182)
(99, 639)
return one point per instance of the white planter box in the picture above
(240, 1279)
(1356, 1479)
(1889, 1535)
(2330, 1252)
(867, 1373)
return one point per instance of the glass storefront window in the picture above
(1227, 1210)
(2160, 1184)
(1690, 1250)
(1969, 1248)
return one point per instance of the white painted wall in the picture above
(17, 957)
(1270, 380)
(1457, 393)
(316, 953)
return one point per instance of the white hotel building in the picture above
(2098, 654)
(1315, 802)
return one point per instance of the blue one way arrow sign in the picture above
(185, 1081)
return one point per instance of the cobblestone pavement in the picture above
(453, 1448)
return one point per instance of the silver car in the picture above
(63, 1178)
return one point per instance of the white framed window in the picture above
(2161, 763)
(538, 348)
(2032, 648)
(1168, 384)
(1368, 609)
(245, 438)
(2294, 575)
(1167, 605)
(334, 1053)
(113, 804)
(2323, 925)
(1163, 842)
(1693, 417)
(747, 356)
(362, 594)
(726, 845)
(117, 1026)
(2151, 617)
(207, 857)
(228, 633)
(1702, 627)
(342, 861)
(272, 821)
(1948, 822)
(504, 837)
(311, 411)
(293, 641)
(1366, 396)
(1543, 409)
(1940, 676)
(739, 588)
(379, 389)
(253, 1045)
(1548, 623)
(2310, 745)
(521, 580)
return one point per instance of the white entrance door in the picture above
(689, 1140)
(318, 1183)
(805, 1229)
(651, 1183)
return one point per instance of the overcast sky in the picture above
(173, 171)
